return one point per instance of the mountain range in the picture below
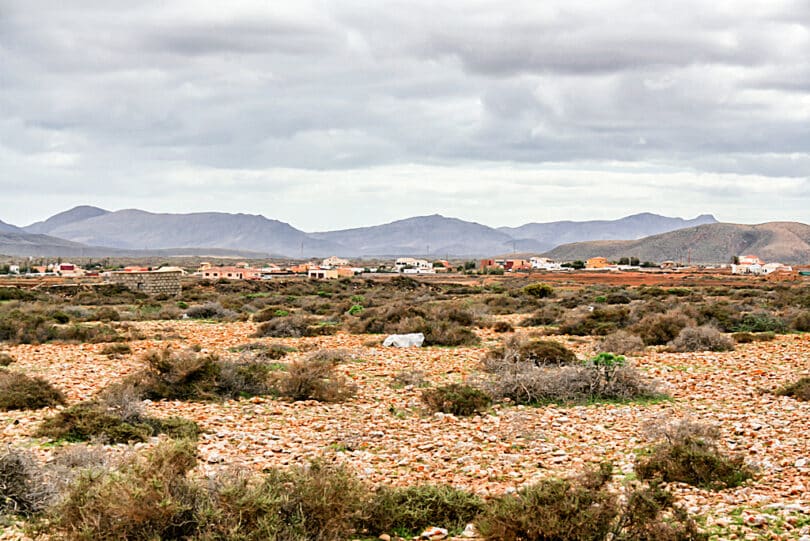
(433, 235)
(93, 231)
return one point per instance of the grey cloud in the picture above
(114, 91)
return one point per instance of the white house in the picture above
(544, 263)
(334, 261)
(409, 265)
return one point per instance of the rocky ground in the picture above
(387, 437)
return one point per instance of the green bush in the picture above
(19, 391)
(761, 322)
(689, 453)
(407, 511)
(539, 291)
(461, 400)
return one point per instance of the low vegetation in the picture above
(689, 452)
(116, 416)
(458, 399)
(20, 392)
(583, 507)
(315, 378)
(407, 511)
(703, 338)
(800, 389)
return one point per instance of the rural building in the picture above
(486, 264)
(597, 263)
(334, 261)
(323, 274)
(231, 273)
(415, 266)
(544, 263)
(516, 265)
(163, 281)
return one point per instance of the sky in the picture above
(338, 114)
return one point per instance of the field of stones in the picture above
(533, 410)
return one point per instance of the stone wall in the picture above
(151, 283)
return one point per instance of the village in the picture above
(334, 267)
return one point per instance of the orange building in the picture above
(597, 263)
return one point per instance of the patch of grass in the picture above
(538, 291)
(6, 359)
(461, 400)
(407, 511)
(601, 321)
(414, 378)
(688, 452)
(519, 350)
(19, 392)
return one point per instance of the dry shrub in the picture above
(264, 352)
(605, 377)
(295, 326)
(211, 310)
(115, 416)
(461, 400)
(583, 508)
(407, 511)
(6, 359)
(191, 375)
(621, 343)
(115, 350)
(154, 496)
(147, 497)
(520, 350)
(801, 322)
(659, 329)
(599, 322)
(24, 487)
(704, 338)
(688, 452)
(412, 378)
(800, 390)
(19, 392)
(502, 326)
(442, 324)
(547, 315)
(749, 337)
(315, 378)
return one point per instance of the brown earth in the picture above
(387, 437)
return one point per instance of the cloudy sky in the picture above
(338, 114)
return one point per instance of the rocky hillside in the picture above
(786, 242)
